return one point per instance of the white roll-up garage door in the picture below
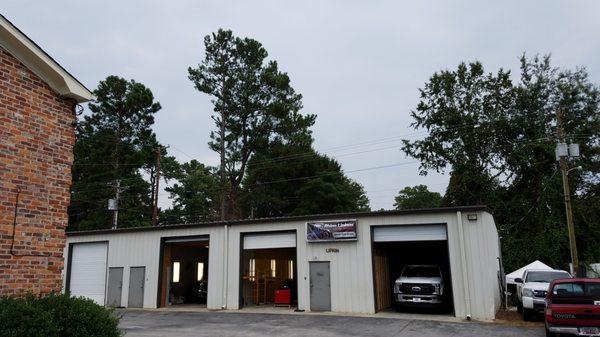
(270, 240)
(88, 270)
(409, 233)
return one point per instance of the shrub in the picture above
(24, 318)
(56, 316)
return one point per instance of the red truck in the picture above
(573, 307)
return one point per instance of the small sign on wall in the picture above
(332, 250)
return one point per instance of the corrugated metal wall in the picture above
(351, 267)
(136, 249)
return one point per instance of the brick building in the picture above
(37, 113)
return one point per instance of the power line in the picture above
(524, 142)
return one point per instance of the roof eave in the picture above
(39, 62)
(328, 216)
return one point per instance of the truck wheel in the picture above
(519, 307)
(527, 314)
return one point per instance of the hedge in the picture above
(56, 316)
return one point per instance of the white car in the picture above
(532, 289)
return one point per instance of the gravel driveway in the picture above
(214, 324)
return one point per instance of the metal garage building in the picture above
(221, 264)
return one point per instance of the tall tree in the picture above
(417, 197)
(115, 143)
(296, 180)
(497, 138)
(194, 193)
(254, 104)
(463, 112)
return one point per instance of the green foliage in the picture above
(498, 138)
(295, 180)
(195, 194)
(417, 197)
(114, 142)
(254, 104)
(56, 316)
(25, 318)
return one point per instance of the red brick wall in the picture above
(36, 153)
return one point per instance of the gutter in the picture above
(465, 270)
(326, 216)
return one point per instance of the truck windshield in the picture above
(545, 276)
(577, 289)
(421, 271)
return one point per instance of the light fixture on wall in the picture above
(176, 268)
(273, 268)
(252, 269)
(200, 271)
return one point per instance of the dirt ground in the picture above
(513, 318)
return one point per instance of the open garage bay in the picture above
(412, 269)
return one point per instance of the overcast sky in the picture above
(358, 64)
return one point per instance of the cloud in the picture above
(358, 64)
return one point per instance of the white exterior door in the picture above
(88, 270)
(270, 240)
(409, 233)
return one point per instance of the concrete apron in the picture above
(290, 311)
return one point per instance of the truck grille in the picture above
(418, 289)
(539, 293)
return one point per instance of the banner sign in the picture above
(339, 230)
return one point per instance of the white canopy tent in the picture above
(510, 278)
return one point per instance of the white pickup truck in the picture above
(532, 289)
(419, 285)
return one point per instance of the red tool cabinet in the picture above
(283, 297)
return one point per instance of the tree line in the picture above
(494, 134)
(268, 166)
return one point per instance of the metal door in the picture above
(269, 240)
(409, 233)
(115, 286)
(137, 278)
(87, 275)
(320, 286)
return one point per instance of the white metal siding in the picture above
(409, 233)
(88, 271)
(142, 249)
(351, 264)
(270, 240)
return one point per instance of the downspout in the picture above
(463, 257)
(225, 264)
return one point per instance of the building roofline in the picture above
(41, 63)
(327, 216)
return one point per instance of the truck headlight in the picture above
(437, 289)
(527, 292)
(397, 287)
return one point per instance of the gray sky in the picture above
(358, 64)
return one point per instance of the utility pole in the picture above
(115, 207)
(562, 158)
(155, 192)
(222, 145)
(222, 149)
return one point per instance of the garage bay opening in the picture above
(411, 269)
(268, 269)
(184, 272)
